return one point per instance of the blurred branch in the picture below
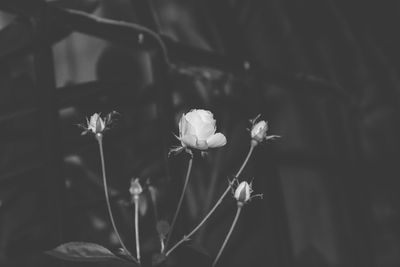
(146, 14)
(140, 37)
(127, 33)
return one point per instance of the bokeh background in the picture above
(324, 73)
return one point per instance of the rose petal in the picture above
(205, 131)
(202, 122)
(189, 140)
(206, 116)
(243, 192)
(202, 145)
(216, 140)
(260, 128)
(210, 128)
(182, 126)
(188, 128)
(193, 118)
(239, 189)
(99, 125)
(93, 119)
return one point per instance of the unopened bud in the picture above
(135, 189)
(243, 192)
(96, 124)
(259, 131)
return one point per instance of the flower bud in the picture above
(259, 131)
(243, 192)
(135, 189)
(96, 124)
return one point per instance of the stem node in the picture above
(219, 201)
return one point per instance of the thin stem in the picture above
(136, 200)
(189, 169)
(219, 201)
(239, 209)
(252, 146)
(99, 138)
(186, 237)
(162, 244)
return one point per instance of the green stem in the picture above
(136, 200)
(99, 138)
(239, 209)
(219, 201)
(189, 169)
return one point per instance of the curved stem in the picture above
(219, 201)
(136, 200)
(252, 146)
(239, 209)
(99, 138)
(109, 23)
(189, 169)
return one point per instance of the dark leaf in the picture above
(125, 254)
(158, 258)
(81, 251)
(192, 255)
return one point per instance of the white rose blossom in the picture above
(197, 130)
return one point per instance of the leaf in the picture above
(81, 251)
(157, 258)
(125, 254)
(192, 255)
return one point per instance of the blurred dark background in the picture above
(324, 73)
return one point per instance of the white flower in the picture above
(197, 130)
(96, 124)
(243, 192)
